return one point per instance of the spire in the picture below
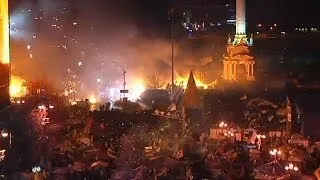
(192, 96)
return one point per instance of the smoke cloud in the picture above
(95, 33)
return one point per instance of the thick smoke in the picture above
(97, 33)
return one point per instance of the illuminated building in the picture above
(4, 55)
(238, 63)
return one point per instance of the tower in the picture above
(238, 54)
(4, 57)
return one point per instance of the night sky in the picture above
(284, 11)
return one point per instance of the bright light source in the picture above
(28, 47)
(223, 124)
(4, 133)
(73, 103)
(138, 87)
(79, 63)
(36, 169)
(93, 99)
(99, 80)
(41, 107)
(51, 107)
(17, 87)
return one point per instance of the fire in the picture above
(138, 87)
(17, 87)
(93, 99)
(184, 81)
(5, 33)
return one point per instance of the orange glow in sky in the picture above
(17, 87)
(184, 80)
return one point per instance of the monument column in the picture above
(241, 17)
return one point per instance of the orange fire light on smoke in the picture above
(17, 87)
(184, 81)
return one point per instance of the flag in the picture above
(111, 153)
(172, 107)
(156, 112)
(179, 154)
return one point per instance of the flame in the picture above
(184, 81)
(93, 99)
(137, 88)
(17, 87)
(4, 34)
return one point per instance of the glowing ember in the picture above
(17, 87)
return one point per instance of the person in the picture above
(189, 175)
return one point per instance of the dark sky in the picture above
(153, 13)
(288, 12)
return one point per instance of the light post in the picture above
(44, 120)
(124, 78)
(223, 126)
(291, 168)
(275, 153)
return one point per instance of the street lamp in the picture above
(223, 125)
(124, 77)
(6, 134)
(44, 120)
(291, 167)
(275, 153)
(41, 107)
